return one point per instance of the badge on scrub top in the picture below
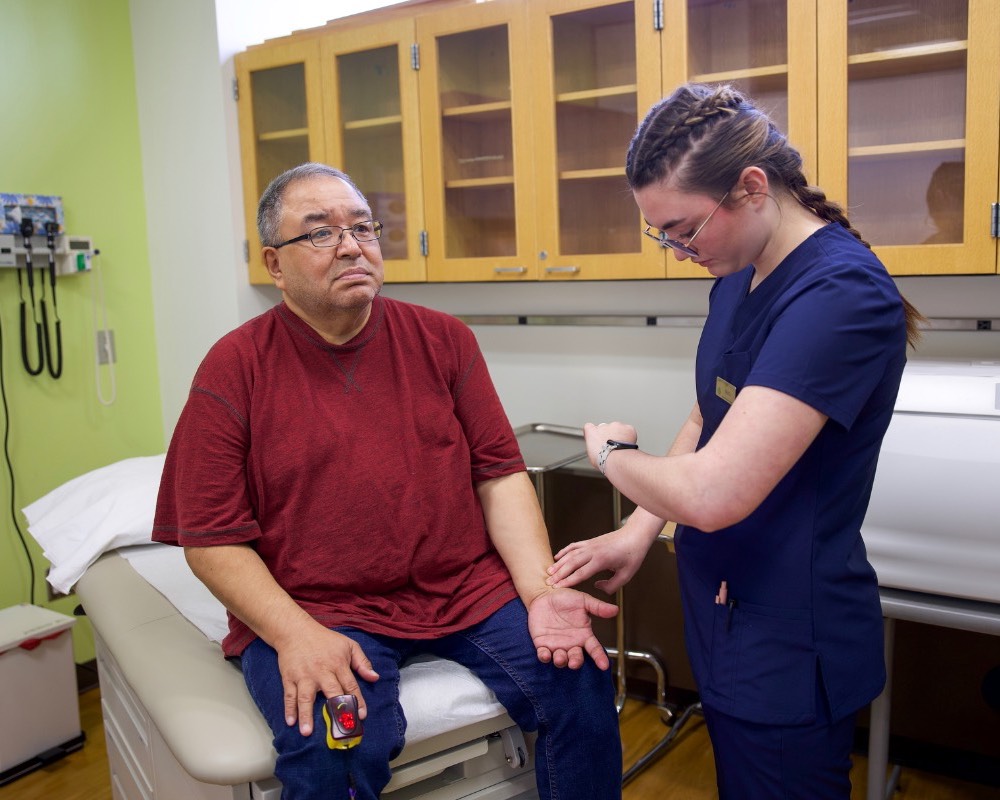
(725, 390)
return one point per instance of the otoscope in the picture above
(27, 231)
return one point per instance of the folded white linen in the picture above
(98, 511)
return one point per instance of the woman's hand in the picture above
(621, 552)
(597, 436)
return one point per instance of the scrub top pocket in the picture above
(763, 664)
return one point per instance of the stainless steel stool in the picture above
(546, 447)
(675, 718)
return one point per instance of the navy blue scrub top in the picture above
(827, 327)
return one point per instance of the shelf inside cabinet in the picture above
(376, 122)
(479, 109)
(278, 136)
(471, 183)
(730, 76)
(906, 147)
(586, 174)
(596, 94)
(908, 60)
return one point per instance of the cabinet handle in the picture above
(571, 270)
(509, 270)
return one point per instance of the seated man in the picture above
(343, 478)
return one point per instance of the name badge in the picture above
(725, 390)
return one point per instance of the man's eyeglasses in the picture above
(333, 235)
(681, 247)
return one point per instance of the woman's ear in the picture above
(753, 182)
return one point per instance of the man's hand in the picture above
(559, 624)
(320, 661)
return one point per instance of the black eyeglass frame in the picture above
(673, 244)
(377, 229)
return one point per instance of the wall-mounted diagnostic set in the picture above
(33, 238)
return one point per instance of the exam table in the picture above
(178, 719)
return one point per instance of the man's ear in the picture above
(273, 265)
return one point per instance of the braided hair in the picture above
(704, 136)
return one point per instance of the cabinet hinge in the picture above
(415, 55)
(246, 251)
(423, 243)
(657, 15)
(995, 220)
(236, 89)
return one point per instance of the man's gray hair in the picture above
(269, 208)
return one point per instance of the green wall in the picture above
(70, 128)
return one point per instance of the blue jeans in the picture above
(577, 754)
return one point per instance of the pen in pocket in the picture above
(720, 598)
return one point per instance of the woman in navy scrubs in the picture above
(769, 478)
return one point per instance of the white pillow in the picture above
(99, 511)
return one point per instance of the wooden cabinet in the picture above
(281, 124)
(348, 99)
(475, 89)
(373, 133)
(597, 73)
(909, 128)
(490, 138)
(766, 48)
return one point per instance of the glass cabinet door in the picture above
(476, 143)
(598, 72)
(281, 124)
(373, 134)
(916, 159)
(766, 48)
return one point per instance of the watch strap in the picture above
(609, 447)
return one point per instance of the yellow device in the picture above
(343, 725)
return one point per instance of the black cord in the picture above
(55, 369)
(27, 231)
(10, 471)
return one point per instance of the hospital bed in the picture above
(178, 719)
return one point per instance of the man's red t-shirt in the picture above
(351, 469)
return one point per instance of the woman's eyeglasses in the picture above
(682, 247)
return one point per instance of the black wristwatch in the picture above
(611, 445)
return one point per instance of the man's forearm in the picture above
(238, 577)
(516, 528)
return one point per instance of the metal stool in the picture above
(675, 718)
(546, 447)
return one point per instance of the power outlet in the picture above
(106, 347)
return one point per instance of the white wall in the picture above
(184, 69)
(189, 205)
(190, 153)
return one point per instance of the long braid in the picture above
(703, 137)
(815, 199)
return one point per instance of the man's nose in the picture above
(348, 245)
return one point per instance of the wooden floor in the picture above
(685, 772)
